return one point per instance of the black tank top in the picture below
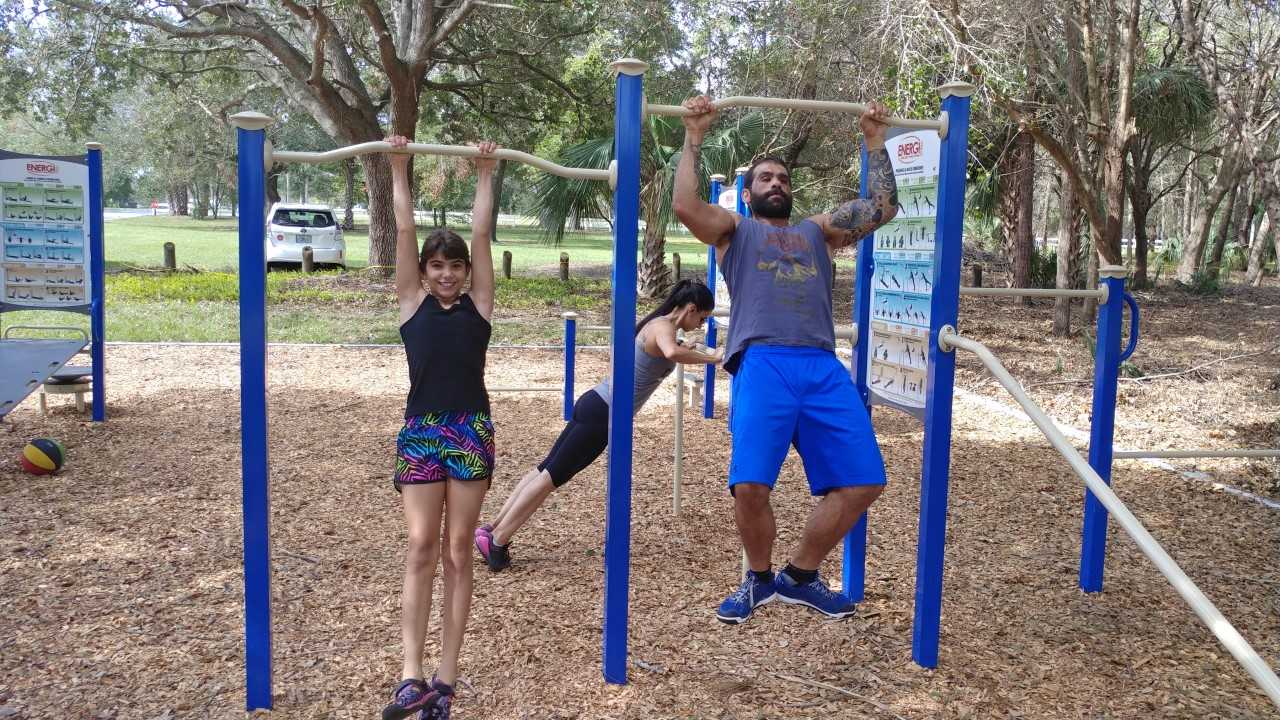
(446, 349)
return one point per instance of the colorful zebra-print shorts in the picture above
(437, 446)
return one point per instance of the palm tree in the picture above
(559, 199)
(1171, 102)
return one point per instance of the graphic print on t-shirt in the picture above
(789, 256)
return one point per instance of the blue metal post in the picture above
(250, 139)
(1106, 372)
(709, 380)
(98, 279)
(739, 183)
(570, 353)
(944, 309)
(629, 97)
(854, 568)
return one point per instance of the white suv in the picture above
(291, 227)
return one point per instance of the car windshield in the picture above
(303, 218)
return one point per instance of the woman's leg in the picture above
(515, 493)
(462, 509)
(423, 507)
(534, 490)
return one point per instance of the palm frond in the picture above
(1171, 102)
(559, 199)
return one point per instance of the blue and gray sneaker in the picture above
(815, 594)
(737, 608)
(409, 697)
(438, 703)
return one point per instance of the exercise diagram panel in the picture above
(44, 229)
(902, 284)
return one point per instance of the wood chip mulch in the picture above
(120, 577)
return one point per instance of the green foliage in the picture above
(1044, 268)
(1130, 370)
(726, 147)
(1169, 103)
(982, 231)
(1204, 282)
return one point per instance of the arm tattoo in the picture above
(859, 218)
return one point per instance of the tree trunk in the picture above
(201, 210)
(1228, 221)
(1141, 244)
(1091, 280)
(1068, 237)
(1044, 220)
(181, 198)
(1141, 202)
(273, 187)
(1258, 249)
(1202, 221)
(382, 221)
(1189, 191)
(654, 275)
(1017, 183)
(497, 197)
(349, 194)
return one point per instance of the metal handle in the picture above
(798, 104)
(1133, 327)
(66, 328)
(466, 151)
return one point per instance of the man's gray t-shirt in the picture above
(780, 282)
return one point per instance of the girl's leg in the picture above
(462, 509)
(522, 505)
(423, 507)
(515, 493)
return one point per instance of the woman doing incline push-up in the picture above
(587, 434)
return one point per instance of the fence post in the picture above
(1106, 374)
(170, 257)
(570, 350)
(977, 275)
(564, 267)
(675, 266)
(308, 259)
(506, 264)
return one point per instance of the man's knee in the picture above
(751, 496)
(856, 498)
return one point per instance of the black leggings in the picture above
(581, 441)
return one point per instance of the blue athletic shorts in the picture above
(784, 396)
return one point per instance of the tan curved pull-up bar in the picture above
(350, 151)
(848, 108)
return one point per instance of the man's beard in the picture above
(768, 206)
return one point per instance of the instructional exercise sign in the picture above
(45, 228)
(902, 285)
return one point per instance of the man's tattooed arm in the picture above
(709, 223)
(858, 218)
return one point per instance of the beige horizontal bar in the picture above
(1128, 454)
(797, 104)
(1226, 633)
(466, 151)
(1100, 293)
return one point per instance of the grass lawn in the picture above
(211, 245)
(200, 305)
